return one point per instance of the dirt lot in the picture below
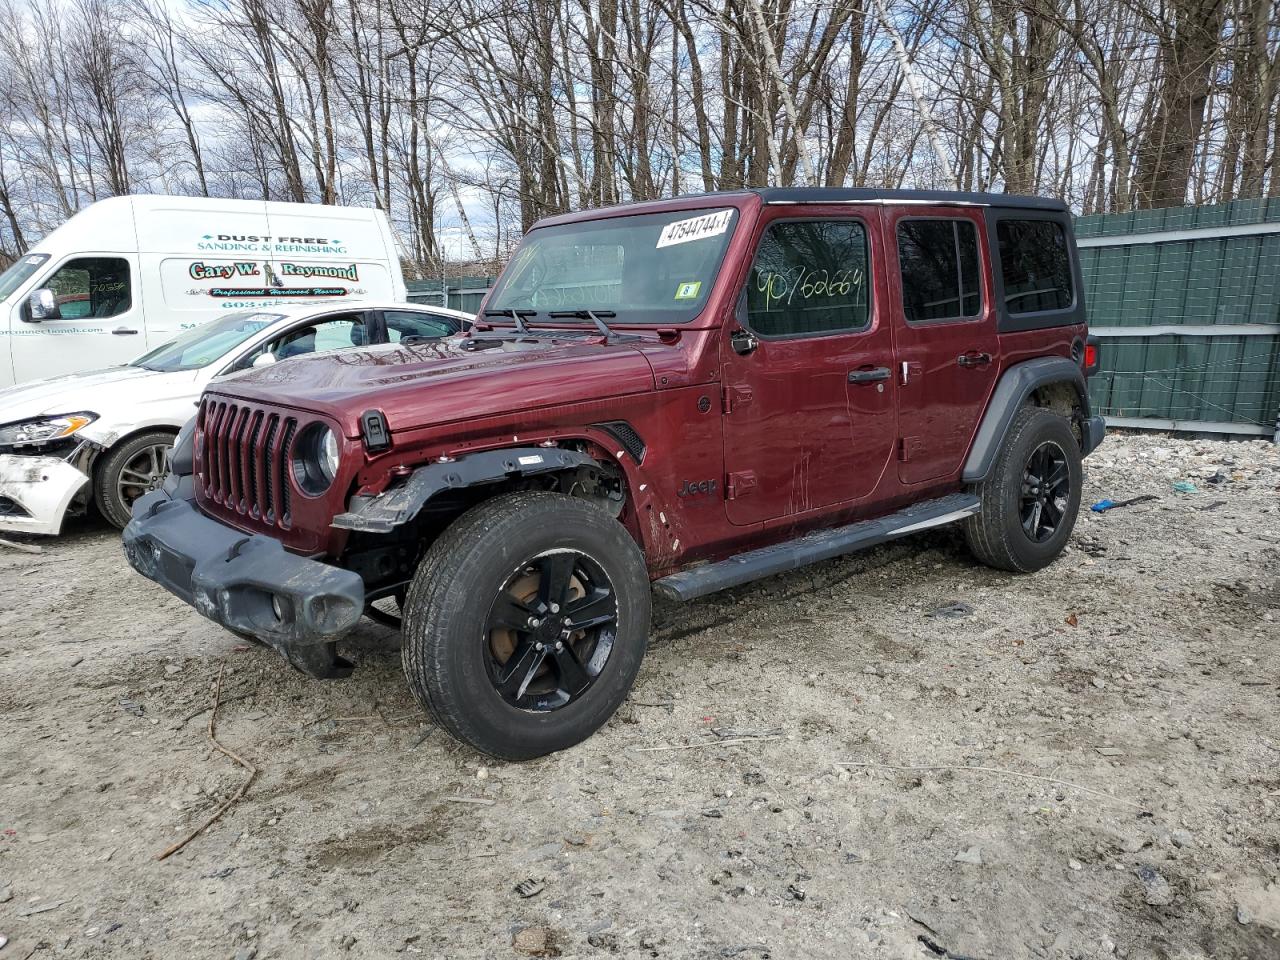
(1102, 742)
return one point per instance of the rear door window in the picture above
(1035, 265)
(809, 277)
(938, 261)
(414, 323)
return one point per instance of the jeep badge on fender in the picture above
(693, 488)
(884, 362)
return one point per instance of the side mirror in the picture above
(264, 359)
(43, 305)
(743, 342)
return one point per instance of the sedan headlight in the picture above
(44, 429)
(315, 459)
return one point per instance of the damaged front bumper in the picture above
(248, 583)
(35, 492)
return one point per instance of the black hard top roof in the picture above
(873, 195)
(784, 195)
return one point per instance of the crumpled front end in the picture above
(35, 492)
(248, 583)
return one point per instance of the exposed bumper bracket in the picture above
(399, 505)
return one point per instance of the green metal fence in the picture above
(1187, 302)
(460, 293)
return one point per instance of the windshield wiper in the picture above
(516, 315)
(592, 315)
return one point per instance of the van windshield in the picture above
(654, 268)
(19, 271)
(207, 343)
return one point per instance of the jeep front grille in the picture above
(245, 460)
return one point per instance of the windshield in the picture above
(19, 271)
(207, 343)
(656, 268)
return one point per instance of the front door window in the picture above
(809, 278)
(92, 287)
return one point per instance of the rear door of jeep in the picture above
(945, 334)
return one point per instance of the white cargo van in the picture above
(130, 273)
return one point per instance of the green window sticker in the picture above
(688, 291)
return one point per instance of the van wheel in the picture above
(129, 470)
(1031, 497)
(526, 623)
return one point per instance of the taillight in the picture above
(1091, 357)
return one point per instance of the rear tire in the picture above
(1026, 519)
(129, 470)
(526, 623)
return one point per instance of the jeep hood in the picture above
(430, 383)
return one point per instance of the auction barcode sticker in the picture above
(695, 228)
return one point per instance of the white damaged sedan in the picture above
(104, 436)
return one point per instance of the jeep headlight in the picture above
(328, 455)
(44, 429)
(315, 458)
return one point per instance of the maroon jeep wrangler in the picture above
(692, 393)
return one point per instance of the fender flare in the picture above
(395, 507)
(1015, 386)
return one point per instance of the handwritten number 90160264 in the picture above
(807, 283)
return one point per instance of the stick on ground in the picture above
(707, 743)
(996, 770)
(253, 772)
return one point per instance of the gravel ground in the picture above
(900, 754)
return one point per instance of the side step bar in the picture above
(812, 547)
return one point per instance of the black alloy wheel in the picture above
(1046, 491)
(1030, 497)
(526, 623)
(550, 630)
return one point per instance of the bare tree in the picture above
(469, 120)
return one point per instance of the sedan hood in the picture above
(425, 384)
(110, 393)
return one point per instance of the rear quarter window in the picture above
(1035, 266)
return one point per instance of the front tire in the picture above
(1031, 497)
(129, 470)
(526, 623)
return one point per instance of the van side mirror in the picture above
(43, 305)
(264, 359)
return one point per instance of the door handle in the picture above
(973, 359)
(872, 375)
(123, 332)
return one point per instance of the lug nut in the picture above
(559, 645)
(538, 646)
(555, 608)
